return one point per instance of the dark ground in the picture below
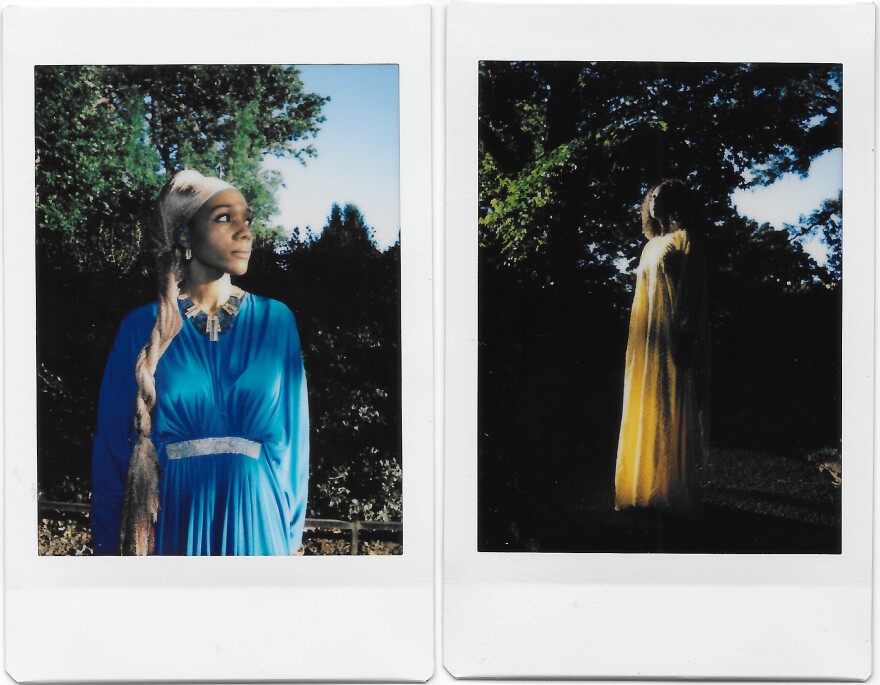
(753, 502)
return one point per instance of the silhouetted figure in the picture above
(660, 450)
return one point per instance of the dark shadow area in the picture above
(716, 530)
(781, 505)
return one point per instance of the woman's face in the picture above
(653, 202)
(219, 235)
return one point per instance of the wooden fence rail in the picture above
(355, 527)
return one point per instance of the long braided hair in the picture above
(179, 201)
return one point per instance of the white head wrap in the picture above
(186, 194)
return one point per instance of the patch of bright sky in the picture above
(791, 197)
(786, 200)
(358, 148)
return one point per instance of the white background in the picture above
(439, 260)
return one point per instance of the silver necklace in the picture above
(213, 325)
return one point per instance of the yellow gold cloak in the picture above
(660, 450)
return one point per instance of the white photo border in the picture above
(662, 615)
(233, 618)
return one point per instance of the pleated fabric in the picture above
(662, 431)
(248, 384)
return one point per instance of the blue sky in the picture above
(358, 149)
(784, 201)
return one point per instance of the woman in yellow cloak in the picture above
(661, 445)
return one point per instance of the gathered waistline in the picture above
(205, 446)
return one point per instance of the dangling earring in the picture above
(188, 254)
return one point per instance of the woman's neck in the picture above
(210, 294)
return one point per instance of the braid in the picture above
(166, 326)
(141, 506)
(178, 203)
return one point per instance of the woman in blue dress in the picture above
(203, 433)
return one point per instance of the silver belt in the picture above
(206, 446)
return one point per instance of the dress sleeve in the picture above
(685, 275)
(297, 419)
(113, 440)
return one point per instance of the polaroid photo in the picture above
(219, 283)
(659, 341)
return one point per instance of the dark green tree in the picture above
(95, 171)
(347, 295)
(826, 223)
(108, 137)
(347, 232)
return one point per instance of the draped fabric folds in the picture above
(250, 385)
(661, 445)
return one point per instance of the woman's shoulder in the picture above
(684, 240)
(139, 317)
(277, 317)
(144, 311)
(274, 309)
(135, 327)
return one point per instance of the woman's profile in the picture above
(203, 432)
(661, 444)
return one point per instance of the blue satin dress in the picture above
(231, 429)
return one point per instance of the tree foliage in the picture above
(567, 148)
(107, 137)
(826, 223)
